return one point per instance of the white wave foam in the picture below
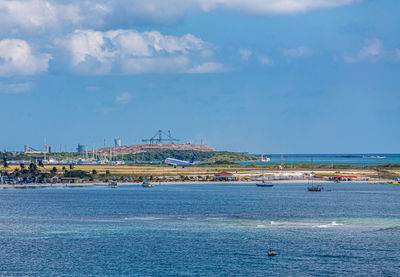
(330, 225)
(142, 218)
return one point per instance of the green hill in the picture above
(211, 156)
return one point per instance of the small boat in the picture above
(147, 184)
(271, 253)
(315, 188)
(263, 183)
(395, 183)
(113, 184)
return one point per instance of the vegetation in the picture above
(77, 174)
(5, 164)
(211, 156)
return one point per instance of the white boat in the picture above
(264, 160)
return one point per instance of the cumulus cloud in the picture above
(298, 52)
(133, 52)
(37, 14)
(124, 98)
(15, 88)
(16, 58)
(50, 14)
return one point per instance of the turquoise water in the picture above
(201, 230)
(334, 159)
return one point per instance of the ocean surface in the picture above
(333, 159)
(201, 230)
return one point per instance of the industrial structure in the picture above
(117, 142)
(47, 148)
(28, 149)
(161, 137)
(81, 148)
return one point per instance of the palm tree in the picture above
(54, 170)
(5, 164)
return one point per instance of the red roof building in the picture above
(224, 176)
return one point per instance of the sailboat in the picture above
(314, 187)
(263, 183)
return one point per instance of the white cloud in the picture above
(133, 52)
(15, 88)
(298, 52)
(161, 10)
(37, 14)
(271, 7)
(16, 58)
(124, 98)
(44, 15)
(209, 67)
(245, 54)
(371, 51)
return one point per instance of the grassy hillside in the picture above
(187, 155)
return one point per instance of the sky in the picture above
(258, 76)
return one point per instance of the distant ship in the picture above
(264, 160)
(376, 157)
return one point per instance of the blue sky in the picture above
(293, 76)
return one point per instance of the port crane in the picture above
(160, 137)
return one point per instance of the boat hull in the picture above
(147, 186)
(264, 185)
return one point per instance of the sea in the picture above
(332, 159)
(201, 230)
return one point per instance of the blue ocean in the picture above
(332, 159)
(201, 230)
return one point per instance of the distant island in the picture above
(140, 153)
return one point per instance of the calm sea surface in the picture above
(201, 230)
(334, 159)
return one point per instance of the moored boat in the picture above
(147, 184)
(113, 184)
(264, 184)
(315, 188)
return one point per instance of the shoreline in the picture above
(99, 184)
